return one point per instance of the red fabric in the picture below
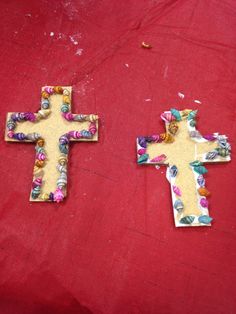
(112, 247)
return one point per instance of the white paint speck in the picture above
(73, 40)
(197, 101)
(127, 65)
(28, 15)
(79, 52)
(181, 95)
(148, 99)
(51, 34)
(157, 167)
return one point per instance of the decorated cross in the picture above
(185, 151)
(51, 128)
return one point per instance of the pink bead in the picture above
(204, 202)
(160, 158)
(167, 116)
(74, 134)
(68, 116)
(156, 138)
(58, 195)
(176, 190)
(10, 134)
(141, 151)
(93, 128)
(41, 156)
(37, 182)
(48, 89)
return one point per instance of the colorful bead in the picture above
(62, 181)
(44, 113)
(58, 195)
(192, 123)
(64, 139)
(37, 182)
(74, 134)
(29, 116)
(92, 118)
(63, 148)
(201, 180)
(192, 115)
(179, 206)
(66, 99)
(176, 190)
(18, 116)
(195, 134)
(85, 134)
(49, 90)
(209, 137)
(44, 197)
(142, 141)
(93, 128)
(205, 219)
(35, 192)
(19, 136)
(200, 169)
(10, 134)
(187, 220)
(222, 152)
(11, 125)
(143, 158)
(58, 89)
(173, 171)
(141, 151)
(61, 168)
(203, 191)
(41, 156)
(38, 171)
(159, 159)
(173, 128)
(211, 155)
(45, 104)
(65, 108)
(45, 95)
(167, 116)
(68, 116)
(176, 114)
(40, 142)
(204, 202)
(79, 117)
(66, 92)
(33, 136)
(39, 163)
(63, 160)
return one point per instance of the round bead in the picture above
(65, 108)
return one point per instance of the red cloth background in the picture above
(111, 247)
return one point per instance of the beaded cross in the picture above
(185, 151)
(51, 128)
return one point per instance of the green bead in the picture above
(200, 169)
(193, 123)
(192, 115)
(35, 192)
(65, 108)
(143, 158)
(187, 220)
(176, 114)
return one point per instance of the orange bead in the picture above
(58, 89)
(66, 99)
(40, 142)
(39, 163)
(203, 191)
(45, 95)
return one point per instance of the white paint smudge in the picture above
(166, 72)
(79, 52)
(28, 15)
(51, 34)
(197, 101)
(181, 95)
(157, 167)
(148, 99)
(127, 65)
(73, 40)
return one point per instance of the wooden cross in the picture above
(51, 128)
(185, 151)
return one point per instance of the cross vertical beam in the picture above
(52, 129)
(185, 151)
